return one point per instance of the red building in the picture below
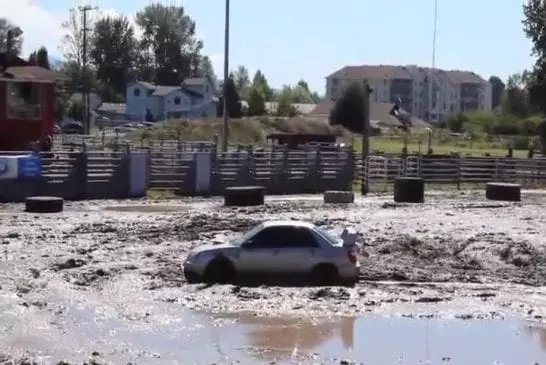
(27, 103)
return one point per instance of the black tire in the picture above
(244, 196)
(503, 192)
(44, 204)
(191, 278)
(219, 271)
(409, 190)
(324, 275)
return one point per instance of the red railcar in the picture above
(27, 104)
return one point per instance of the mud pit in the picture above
(455, 256)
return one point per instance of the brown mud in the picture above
(64, 275)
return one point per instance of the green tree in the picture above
(256, 102)
(205, 68)
(169, 48)
(497, 88)
(284, 103)
(76, 110)
(17, 33)
(533, 25)
(515, 99)
(73, 52)
(349, 110)
(113, 54)
(233, 100)
(40, 58)
(313, 96)
(260, 81)
(242, 81)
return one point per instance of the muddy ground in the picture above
(457, 255)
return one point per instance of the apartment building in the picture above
(452, 91)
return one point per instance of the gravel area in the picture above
(456, 256)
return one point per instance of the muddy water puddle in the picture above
(200, 338)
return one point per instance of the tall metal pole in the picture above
(430, 89)
(365, 139)
(226, 76)
(85, 84)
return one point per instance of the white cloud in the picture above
(40, 27)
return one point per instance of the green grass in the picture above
(254, 131)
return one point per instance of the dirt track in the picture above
(486, 261)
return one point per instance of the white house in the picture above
(194, 98)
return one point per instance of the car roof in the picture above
(293, 223)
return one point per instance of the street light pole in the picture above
(226, 76)
(430, 89)
(365, 140)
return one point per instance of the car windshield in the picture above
(329, 237)
(238, 241)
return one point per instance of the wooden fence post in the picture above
(458, 176)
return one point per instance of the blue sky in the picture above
(310, 39)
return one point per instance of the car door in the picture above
(256, 254)
(294, 253)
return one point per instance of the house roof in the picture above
(402, 72)
(7, 61)
(195, 81)
(372, 72)
(162, 90)
(379, 113)
(32, 73)
(117, 108)
(147, 85)
(461, 77)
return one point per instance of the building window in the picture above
(136, 92)
(23, 101)
(177, 100)
(334, 81)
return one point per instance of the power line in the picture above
(85, 92)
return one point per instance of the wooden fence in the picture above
(380, 171)
(287, 172)
(76, 175)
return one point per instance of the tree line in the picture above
(161, 48)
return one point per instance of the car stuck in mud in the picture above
(278, 251)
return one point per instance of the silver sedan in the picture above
(278, 250)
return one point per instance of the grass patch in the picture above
(254, 131)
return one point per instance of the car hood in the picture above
(215, 246)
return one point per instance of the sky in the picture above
(310, 39)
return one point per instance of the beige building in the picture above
(452, 91)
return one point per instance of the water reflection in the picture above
(290, 336)
(539, 333)
(393, 340)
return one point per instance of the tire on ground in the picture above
(324, 274)
(244, 196)
(409, 190)
(339, 197)
(503, 191)
(44, 204)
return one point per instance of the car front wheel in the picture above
(219, 270)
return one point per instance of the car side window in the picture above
(266, 238)
(283, 237)
(299, 237)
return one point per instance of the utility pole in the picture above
(85, 84)
(365, 139)
(431, 94)
(226, 76)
